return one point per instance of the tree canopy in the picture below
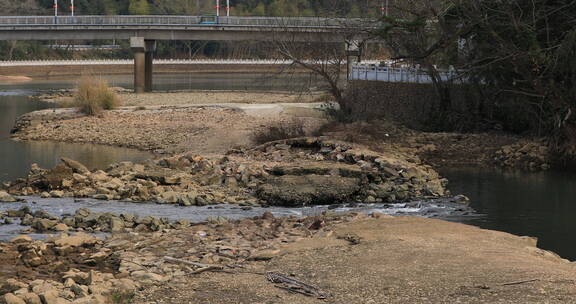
(351, 8)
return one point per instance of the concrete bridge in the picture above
(144, 31)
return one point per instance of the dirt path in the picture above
(398, 260)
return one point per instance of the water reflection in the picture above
(534, 204)
(16, 157)
(189, 81)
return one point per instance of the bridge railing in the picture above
(409, 74)
(180, 20)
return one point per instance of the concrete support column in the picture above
(149, 58)
(353, 53)
(143, 56)
(139, 71)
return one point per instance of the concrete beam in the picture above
(170, 33)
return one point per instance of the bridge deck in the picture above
(177, 28)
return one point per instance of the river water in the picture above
(535, 204)
(541, 205)
(16, 157)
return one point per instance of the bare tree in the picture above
(325, 54)
(420, 32)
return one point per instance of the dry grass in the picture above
(279, 130)
(94, 95)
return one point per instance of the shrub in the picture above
(278, 131)
(94, 95)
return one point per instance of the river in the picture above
(534, 204)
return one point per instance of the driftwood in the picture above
(201, 267)
(518, 282)
(293, 285)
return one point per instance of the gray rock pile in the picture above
(300, 171)
(89, 221)
(528, 155)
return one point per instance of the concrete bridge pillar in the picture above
(353, 54)
(143, 56)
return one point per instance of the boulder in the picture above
(21, 239)
(43, 224)
(56, 193)
(11, 285)
(10, 298)
(61, 227)
(290, 190)
(55, 176)
(168, 197)
(31, 298)
(77, 167)
(79, 239)
(7, 198)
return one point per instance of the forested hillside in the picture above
(351, 8)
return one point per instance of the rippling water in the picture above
(442, 208)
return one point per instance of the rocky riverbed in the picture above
(202, 262)
(294, 172)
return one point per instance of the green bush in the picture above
(94, 95)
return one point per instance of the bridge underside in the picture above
(170, 33)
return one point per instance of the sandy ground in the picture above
(215, 97)
(202, 129)
(398, 260)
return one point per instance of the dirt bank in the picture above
(64, 97)
(444, 149)
(350, 258)
(199, 122)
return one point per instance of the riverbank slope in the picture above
(349, 258)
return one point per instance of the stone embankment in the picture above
(528, 155)
(293, 172)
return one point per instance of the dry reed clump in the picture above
(278, 131)
(94, 95)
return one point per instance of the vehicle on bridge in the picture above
(208, 19)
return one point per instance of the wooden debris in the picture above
(201, 267)
(293, 285)
(518, 282)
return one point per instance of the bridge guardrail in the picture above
(182, 21)
(390, 73)
(156, 61)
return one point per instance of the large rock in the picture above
(5, 197)
(290, 190)
(55, 176)
(77, 167)
(12, 299)
(44, 224)
(79, 239)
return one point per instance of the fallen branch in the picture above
(293, 285)
(202, 267)
(518, 282)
